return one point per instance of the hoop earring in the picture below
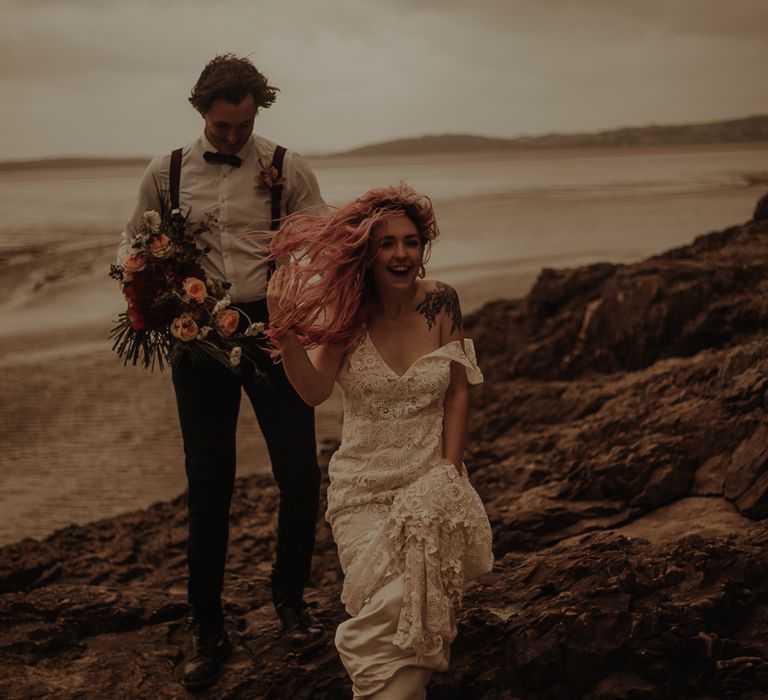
(422, 271)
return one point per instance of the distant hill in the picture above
(749, 129)
(57, 163)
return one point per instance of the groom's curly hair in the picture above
(231, 78)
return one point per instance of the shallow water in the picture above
(531, 205)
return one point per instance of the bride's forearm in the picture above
(310, 384)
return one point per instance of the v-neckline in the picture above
(410, 367)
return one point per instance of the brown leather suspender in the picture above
(174, 179)
(276, 191)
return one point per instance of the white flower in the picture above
(152, 220)
(221, 304)
(204, 331)
(255, 328)
(139, 242)
(234, 355)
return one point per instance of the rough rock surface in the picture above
(620, 444)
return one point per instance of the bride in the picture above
(410, 529)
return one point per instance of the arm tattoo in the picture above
(441, 297)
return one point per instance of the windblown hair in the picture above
(328, 260)
(231, 78)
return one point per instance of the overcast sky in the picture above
(109, 77)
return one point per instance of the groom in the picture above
(223, 173)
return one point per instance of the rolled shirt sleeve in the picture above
(303, 193)
(150, 197)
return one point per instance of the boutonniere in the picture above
(268, 177)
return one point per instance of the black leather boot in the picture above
(302, 629)
(203, 667)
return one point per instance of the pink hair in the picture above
(328, 258)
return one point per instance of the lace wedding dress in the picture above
(410, 530)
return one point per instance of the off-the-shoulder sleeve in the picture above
(465, 356)
(474, 373)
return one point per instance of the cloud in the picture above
(115, 76)
(745, 19)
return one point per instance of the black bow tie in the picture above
(211, 157)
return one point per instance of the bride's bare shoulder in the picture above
(439, 304)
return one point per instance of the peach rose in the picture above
(134, 263)
(161, 246)
(195, 289)
(226, 321)
(184, 327)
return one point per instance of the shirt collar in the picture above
(242, 154)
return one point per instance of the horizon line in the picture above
(125, 159)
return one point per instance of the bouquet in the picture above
(174, 307)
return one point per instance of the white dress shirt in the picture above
(238, 206)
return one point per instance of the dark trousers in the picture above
(208, 400)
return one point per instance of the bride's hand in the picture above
(277, 291)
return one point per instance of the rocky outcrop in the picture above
(602, 450)
(620, 444)
(761, 210)
(609, 318)
(607, 409)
